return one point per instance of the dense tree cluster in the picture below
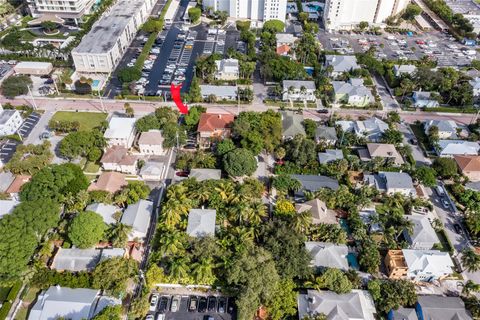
(29, 159)
(165, 119)
(83, 144)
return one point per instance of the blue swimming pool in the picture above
(352, 261)
(344, 224)
(95, 83)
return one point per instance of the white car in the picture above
(153, 302)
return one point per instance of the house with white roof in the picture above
(404, 69)
(7, 206)
(330, 155)
(352, 93)
(120, 132)
(10, 121)
(106, 211)
(228, 93)
(327, 255)
(450, 148)
(227, 69)
(355, 305)
(285, 39)
(423, 236)
(475, 83)
(372, 129)
(201, 222)
(340, 64)
(447, 129)
(427, 265)
(297, 90)
(74, 304)
(424, 99)
(138, 216)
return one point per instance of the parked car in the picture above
(192, 304)
(440, 191)
(212, 304)
(175, 304)
(182, 174)
(149, 317)
(163, 304)
(446, 204)
(153, 302)
(49, 81)
(322, 110)
(458, 228)
(222, 303)
(202, 304)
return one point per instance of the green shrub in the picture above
(4, 310)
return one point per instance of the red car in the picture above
(182, 174)
(420, 42)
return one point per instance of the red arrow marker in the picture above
(175, 91)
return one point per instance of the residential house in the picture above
(326, 134)
(151, 143)
(7, 206)
(428, 265)
(227, 69)
(213, 127)
(319, 211)
(340, 64)
(10, 121)
(371, 129)
(138, 216)
(75, 259)
(423, 236)
(402, 314)
(396, 265)
(14, 189)
(440, 307)
(327, 255)
(313, 183)
(352, 93)
(74, 304)
(107, 211)
(475, 83)
(369, 217)
(285, 43)
(109, 181)
(228, 93)
(201, 222)
(120, 132)
(284, 50)
(294, 28)
(391, 182)
(330, 155)
(381, 150)
(404, 69)
(356, 305)
(469, 166)
(152, 170)
(205, 174)
(451, 148)
(297, 90)
(116, 158)
(292, 124)
(424, 99)
(447, 129)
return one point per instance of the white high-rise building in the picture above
(347, 14)
(65, 9)
(262, 10)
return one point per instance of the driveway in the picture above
(389, 103)
(417, 152)
(42, 126)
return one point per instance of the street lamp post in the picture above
(34, 104)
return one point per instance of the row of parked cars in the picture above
(201, 304)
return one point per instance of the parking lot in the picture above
(437, 45)
(28, 125)
(191, 307)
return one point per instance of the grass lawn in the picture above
(4, 293)
(91, 167)
(87, 120)
(29, 297)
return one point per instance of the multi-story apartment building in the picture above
(262, 10)
(103, 47)
(10, 121)
(347, 14)
(65, 9)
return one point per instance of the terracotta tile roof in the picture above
(468, 163)
(119, 155)
(283, 49)
(17, 183)
(109, 181)
(210, 122)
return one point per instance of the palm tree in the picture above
(202, 193)
(302, 221)
(315, 283)
(171, 243)
(226, 191)
(470, 260)
(118, 234)
(179, 268)
(254, 213)
(202, 271)
(470, 287)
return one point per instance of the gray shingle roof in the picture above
(341, 63)
(330, 155)
(105, 210)
(205, 174)
(404, 314)
(297, 84)
(327, 133)
(76, 259)
(397, 180)
(5, 115)
(445, 308)
(328, 255)
(292, 124)
(138, 215)
(201, 222)
(423, 231)
(314, 183)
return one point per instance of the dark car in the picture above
(212, 304)
(413, 141)
(190, 146)
(49, 81)
(202, 304)
(182, 174)
(458, 228)
(163, 304)
(322, 110)
(192, 304)
(45, 76)
(222, 304)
